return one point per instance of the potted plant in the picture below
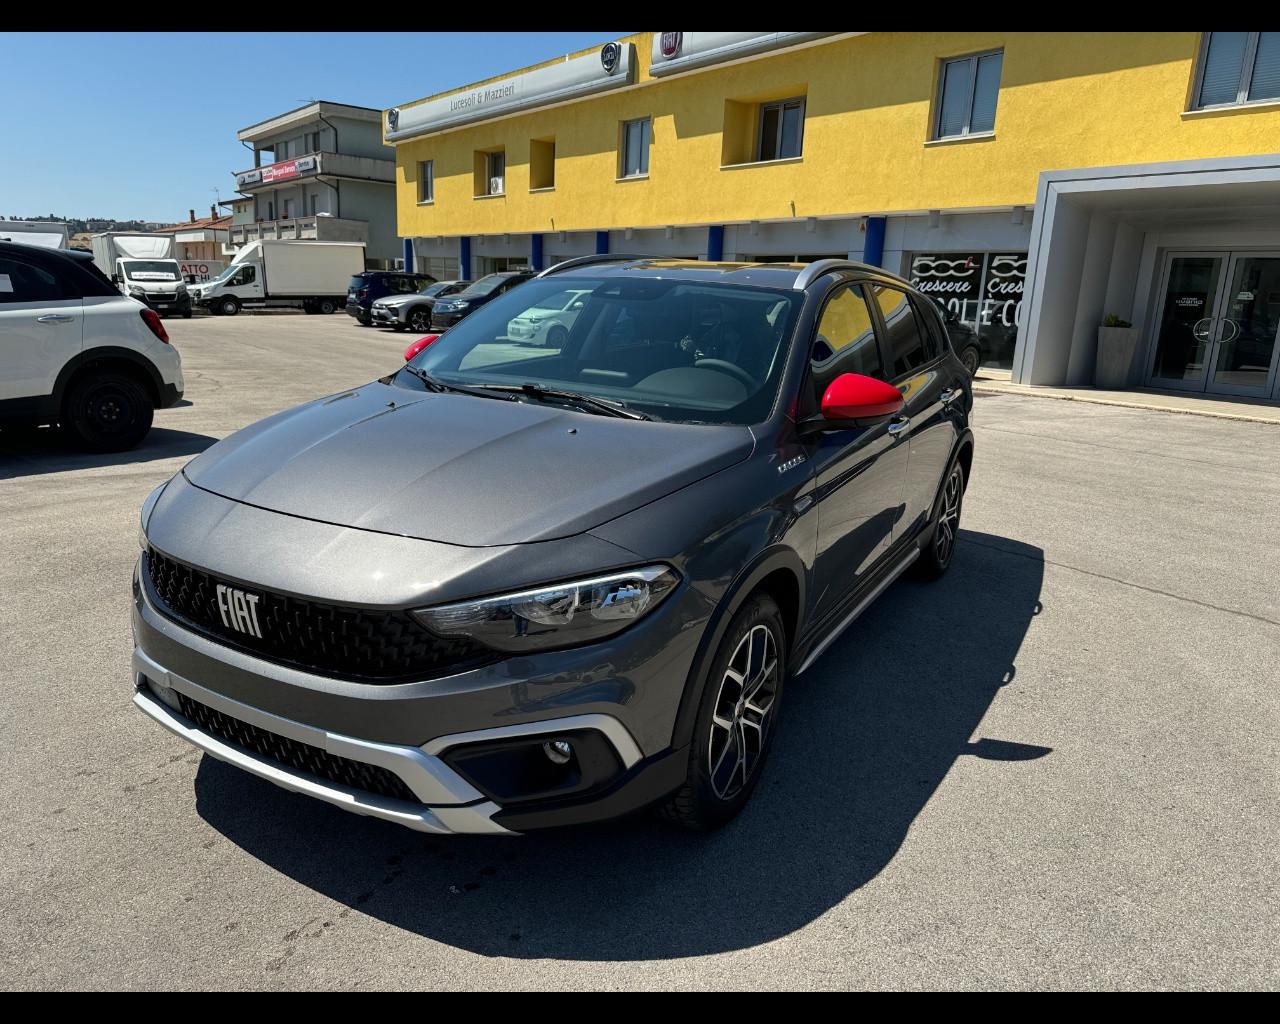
(1117, 341)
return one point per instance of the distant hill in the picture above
(80, 225)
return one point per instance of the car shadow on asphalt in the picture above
(865, 740)
(33, 452)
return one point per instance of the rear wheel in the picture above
(969, 359)
(734, 730)
(556, 337)
(938, 552)
(107, 412)
(229, 306)
(420, 320)
(326, 306)
(186, 314)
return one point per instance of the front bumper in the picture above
(179, 303)
(443, 321)
(410, 729)
(385, 315)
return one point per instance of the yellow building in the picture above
(1032, 182)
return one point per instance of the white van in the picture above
(311, 276)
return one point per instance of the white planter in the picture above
(1116, 346)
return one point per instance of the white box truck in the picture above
(142, 266)
(50, 234)
(312, 276)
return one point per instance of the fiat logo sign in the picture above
(393, 119)
(609, 56)
(671, 43)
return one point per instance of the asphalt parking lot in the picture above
(1055, 768)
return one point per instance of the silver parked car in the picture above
(400, 312)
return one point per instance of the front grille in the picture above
(161, 296)
(350, 643)
(301, 757)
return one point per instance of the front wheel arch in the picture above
(777, 570)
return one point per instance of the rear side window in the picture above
(936, 337)
(909, 343)
(25, 282)
(845, 341)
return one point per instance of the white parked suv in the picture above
(74, 351)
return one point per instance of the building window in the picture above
(287, 212)
(314, 197)
(495, 173)
(781, 129)
(426, 181)
(967, 92)
(635, 148)
(542, 163)
(311, 143)
(1238, 67)
(282, 151)
(271, 210)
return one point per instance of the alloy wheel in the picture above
(944, 536)
(419, 320)
(742, 716)
(970, 360)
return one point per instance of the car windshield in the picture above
(151, 270)
(682, 351)
(482, 287)
(433, 287)
(356, 283)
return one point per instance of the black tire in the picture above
(229, 306)
(970, 359)
(326, 306)
(107, 412)
(710, 797)
(940, 547)
(309, 308)
(186, 314)
(420, 320)
(556, 337)
(365, 321)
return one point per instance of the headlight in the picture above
(136, 290)
(557, 616)
(459, 304)
(181, 289)
(147, 506)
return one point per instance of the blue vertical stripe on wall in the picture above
(602, 241)
(536, 254)
(408, 255)
(464, 257)
(873, 247)
(715, 243)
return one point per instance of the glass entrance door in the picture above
(1219, 320)
(1244, 355)
(1192, 283)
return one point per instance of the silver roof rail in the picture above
(598, 257)
(816, 269)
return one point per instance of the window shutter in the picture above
(957, 86)
(985, 94)
(1223, 63)
(1266, 68)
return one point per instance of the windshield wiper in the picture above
(588, 402)
(439, 386)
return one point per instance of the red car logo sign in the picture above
(670, 43)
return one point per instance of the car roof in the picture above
(766, 275)
(25, 248)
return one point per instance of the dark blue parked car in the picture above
(376, 284)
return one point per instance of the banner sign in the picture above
(981, 290)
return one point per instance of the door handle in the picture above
(949, 396)
(1234, 334)
(54, 318)
(898, 425)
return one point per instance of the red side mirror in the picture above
(851, 396)
(419, 345)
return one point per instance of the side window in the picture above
(22, 282)
(907, 348)
(935, 336)
(245, 275)
(845, 341)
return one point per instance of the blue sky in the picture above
(144, 124)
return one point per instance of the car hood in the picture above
(460, 470)
(398, 300)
